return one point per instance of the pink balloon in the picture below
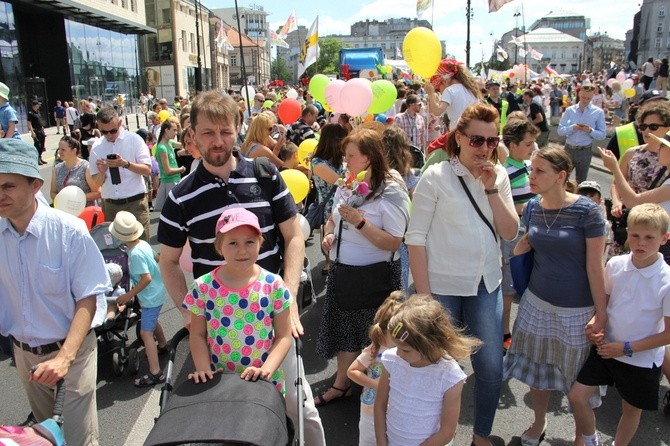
(611, 82)
(333, 90)
(621, 76)
(185, 261)
(356, 96)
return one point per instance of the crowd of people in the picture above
(486, 186)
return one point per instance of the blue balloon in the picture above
(381, 118)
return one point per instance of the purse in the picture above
(359, 287)
(315, 215)
(521, 265)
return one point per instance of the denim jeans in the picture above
(481, 315)
(404, 264)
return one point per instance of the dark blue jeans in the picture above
(481, 315)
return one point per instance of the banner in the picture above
(550, 71)
(501, 54)
(222, 38)
(309, 52)
(289, 26)
(276, 39)
(495, 5)
(422, 6)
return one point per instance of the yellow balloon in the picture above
(297, 183)
(422, 51)
(163, 115)
(306, 150)
(630, 92)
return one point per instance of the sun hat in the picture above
(4, 91)
(125, 227)
(235, 217)
(589, 185)
(18, 157)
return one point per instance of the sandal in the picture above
(321, 401)
(150, 380)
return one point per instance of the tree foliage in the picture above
(329, 57)
(280, 70)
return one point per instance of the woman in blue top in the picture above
(566, 290)
(327, 167)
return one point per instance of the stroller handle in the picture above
(57, 415)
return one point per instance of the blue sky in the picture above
(449, 22)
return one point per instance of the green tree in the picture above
(280, 70)
(329, 58)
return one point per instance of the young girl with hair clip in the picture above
(367, 368)
(419, 392)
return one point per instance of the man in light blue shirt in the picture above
(50, 274)
(581, 124)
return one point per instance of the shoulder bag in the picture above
(359, 287)
(315, 211)
(521, 265)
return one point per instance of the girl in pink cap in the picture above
(240, 324)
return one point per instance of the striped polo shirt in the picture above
(518, 173)
(196, 203)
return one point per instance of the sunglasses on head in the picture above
(111, 132)
(652, 127)
(477, 141)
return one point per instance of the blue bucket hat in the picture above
(18, 157)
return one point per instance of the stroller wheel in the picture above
(118, 364)
(133, 362)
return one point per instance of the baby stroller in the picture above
(126, 356)
(224, 411)
(46, 433)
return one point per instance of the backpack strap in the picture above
(263, 172)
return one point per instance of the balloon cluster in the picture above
(626, 84)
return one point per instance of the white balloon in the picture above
(250, 91)
(304, 225)
(292, 94)
(628, 83)
(70, 199)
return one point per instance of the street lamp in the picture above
(517, 14)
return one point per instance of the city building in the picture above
(564, 51)
(652, 37)
(255, 63)
(70, 50)
(600, 50)
(180, 50)
(567, 22)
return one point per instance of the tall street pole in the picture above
(468, 10)
(198, 71)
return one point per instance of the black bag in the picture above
(359, 287)
(315, 211)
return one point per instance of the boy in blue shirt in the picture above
(148, 287)
(629, 353)
(8, 116)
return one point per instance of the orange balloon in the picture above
(92, 215)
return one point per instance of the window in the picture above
(133, 6)
(233, 60)
(659, 28)
(657, 43)
(192, 42)
(668, 44)
(661, 11)
(150, 9)
(183, 40)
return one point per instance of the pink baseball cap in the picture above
(236, 217)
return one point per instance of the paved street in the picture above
(126, 414)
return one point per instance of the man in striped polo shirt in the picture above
(222, 180)
(519, 137)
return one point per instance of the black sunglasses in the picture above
(477, 141)
(652, 127)
(111, 132)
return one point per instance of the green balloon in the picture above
(317, 87)
(384, 95)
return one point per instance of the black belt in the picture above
(125, 200)
(40, 350)
(570, 146)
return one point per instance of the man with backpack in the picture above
(222, 180)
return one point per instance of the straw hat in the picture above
(125, 227)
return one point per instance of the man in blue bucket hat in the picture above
(50, 274)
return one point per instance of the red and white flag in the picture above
(289, 26)
(550, 70)
(495, 5)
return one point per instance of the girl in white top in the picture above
(419, 392)
(457, 88)
(367, 368)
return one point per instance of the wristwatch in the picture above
(491, 191)
(361, 224)
(127, 166)
(627, 350)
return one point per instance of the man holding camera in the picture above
(118, 162)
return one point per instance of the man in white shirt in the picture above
(118, 162)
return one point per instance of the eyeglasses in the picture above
(588, 88)
(652, 127)
(111, 132)
(477, 141)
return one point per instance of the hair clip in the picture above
(403, 336)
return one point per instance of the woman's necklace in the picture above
(549, 226)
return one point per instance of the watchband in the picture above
(361, 224)
(491, 191)
(627, 350)
(127, 166)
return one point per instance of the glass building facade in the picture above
(103, 63)
(11, 72)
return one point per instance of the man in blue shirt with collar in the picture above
(581, 124)
(50, 274)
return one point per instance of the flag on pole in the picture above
(398, 53)
(501, 54)
(550, 71)
(535, 54)
(422, 6)
(289, 26)
(516, 40)
(495, 5)
(276, 39)
(522, 52)
(222, 38)
(309, 52)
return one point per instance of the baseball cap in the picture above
(236, 217)
(4, 91)
(651, 95)
(18, 157)
(589, 185)
(35, 102)
(490, 84)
